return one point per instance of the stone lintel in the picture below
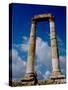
(42, 17)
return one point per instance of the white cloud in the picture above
(24, 38)
(61, 46)
(47, 74)
(43, 58)
(43, 53)
(62, 59)
(63, 64)
(18, 65)
(24, 47)
(25, 44)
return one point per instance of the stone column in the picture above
(54, 48)
(31, 50)
(30, 77)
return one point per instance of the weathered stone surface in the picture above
(29, 79)
(31, 50)
(54, 49)
(42, 17)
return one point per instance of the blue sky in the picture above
(21, 26)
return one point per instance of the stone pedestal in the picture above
(58, 79)
(29, 79)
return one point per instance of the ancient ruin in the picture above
(30, 77)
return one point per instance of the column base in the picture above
(29, 79)
(58, 78)
(56, 73)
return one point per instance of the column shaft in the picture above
(31, 50)
(54, 47)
